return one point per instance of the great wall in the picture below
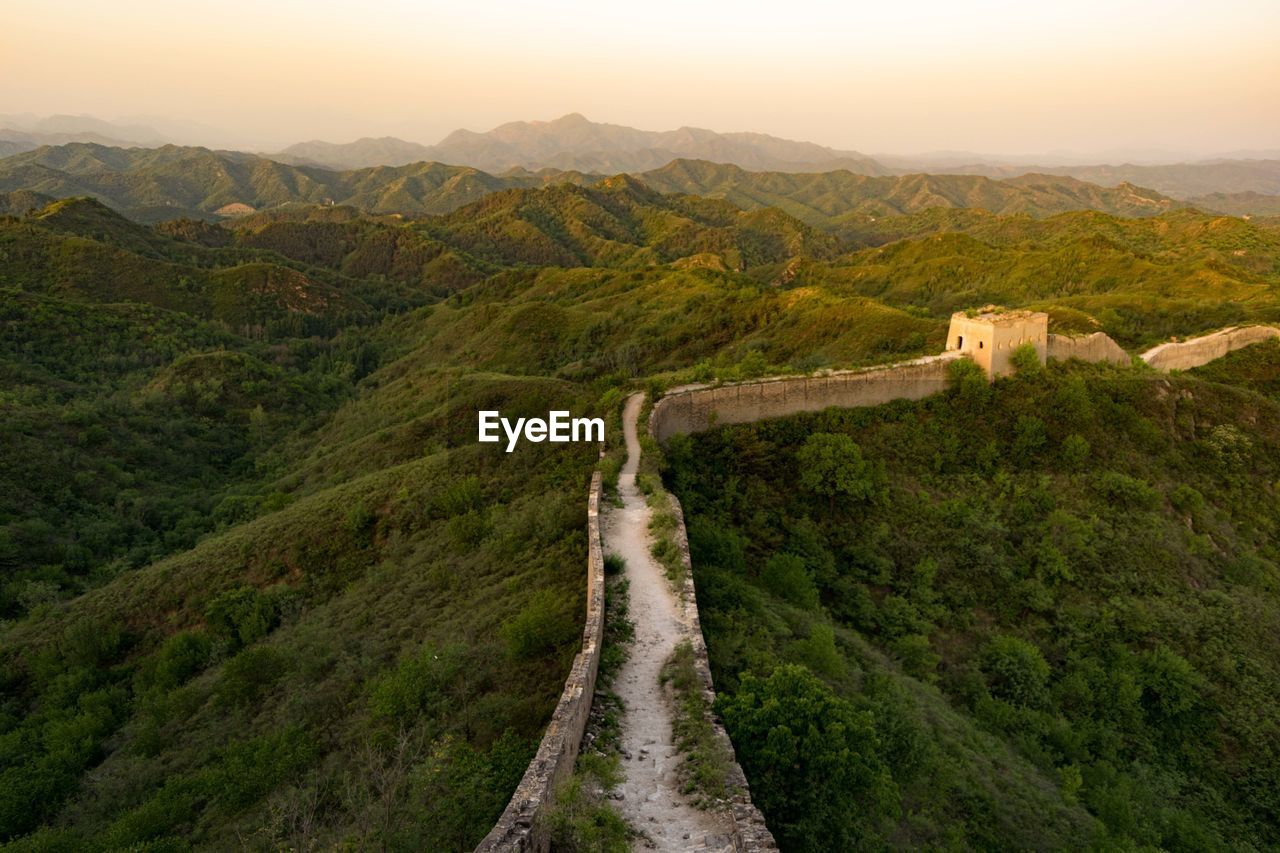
(694, 408)
(519, 827)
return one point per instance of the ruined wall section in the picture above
(1096, 347)
(1184, 355)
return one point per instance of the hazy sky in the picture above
(897, 76)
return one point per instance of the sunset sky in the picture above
(901, 77)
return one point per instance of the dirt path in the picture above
(651, 799)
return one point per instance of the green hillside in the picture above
(170, 182)
(1041, 614)
(822, 199)
(154, 184)
(285, 565)
(259, 581)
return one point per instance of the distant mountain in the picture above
(383, 151)
(1239, 204)
(574, 143)
(823, 199)
(21, 202)
(26, 133)
(1178, 180)
(169, 182)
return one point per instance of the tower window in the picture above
(960, 342)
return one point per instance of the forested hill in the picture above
(1039, 614)
(153, 184)
(251, 557)
(822, 199)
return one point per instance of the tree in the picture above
(832, 465)
(1016, 670)
(785, 576)
(812, 760)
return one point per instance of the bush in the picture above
(420, 687)
(1126, 491)
(785, 576)
(1015, 670)
(538, 628)
(812, 761)
(179, 658)
(1026, 361)
(248, 675)
(241, 616)
(831, 465)
(1075, 451)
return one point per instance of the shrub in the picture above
(179, 658)
(1075, 451)
(785, 576)
(538, 628)
(248, 675)
(421, 686)
(1126, 491)
(1015, 670)
(241, 616)
(460, 496)
(812, 760)
(1026, 361)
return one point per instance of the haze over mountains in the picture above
(573, 143)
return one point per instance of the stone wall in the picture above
(749, 831)
(694, 408)
(1184, 355)
(520, 827)
(1095, 347)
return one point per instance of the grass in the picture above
(707, 760)
(581, 817)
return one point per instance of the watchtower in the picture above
(990, 335)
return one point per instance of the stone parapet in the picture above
(1095, 347)
(695, 408)
(750, 834)
(1184, 355)
(521, 827)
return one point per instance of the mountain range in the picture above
(575, 144)
(169, 182)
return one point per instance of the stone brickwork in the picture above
(749, 831)
(694, 408)
(1095, 347)
(520, 827)
(990, 336)
(1184, 355)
